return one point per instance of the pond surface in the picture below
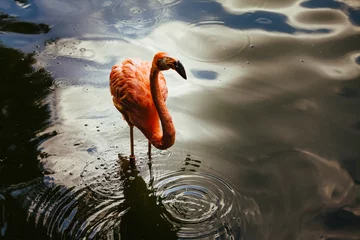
(268, 122)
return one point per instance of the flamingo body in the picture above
(130, 88)
(139, 92)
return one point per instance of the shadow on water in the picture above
(12, 24)
(24, 110)
(144, 218)
(23, 113)
(77, 213)
(182, 204)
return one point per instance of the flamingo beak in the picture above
(179, 68)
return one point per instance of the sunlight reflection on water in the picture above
(211, 42)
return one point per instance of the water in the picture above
(268, 123)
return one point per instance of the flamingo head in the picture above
(163, 62)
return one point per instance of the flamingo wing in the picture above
(130, 88)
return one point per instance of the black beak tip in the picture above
(184, 76)
(179, 68)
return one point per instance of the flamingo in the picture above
(139, 92)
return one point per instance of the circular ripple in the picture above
(200, 205)
(67, 48)
(103, 177)
(134, 17)
(101, 107)
(87, 88)
(169, 2)
(263, 21)
(211, 41)
(86, 53)
(61, 83)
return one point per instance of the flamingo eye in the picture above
(161, 64)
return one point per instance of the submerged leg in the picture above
(132, 156)
(149, 150)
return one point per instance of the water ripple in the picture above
(103, 177)
(61, 83)
(201, 205)
(22, 3)
(67, 48)
(169, 2)
(111, 197)
(211, 41)
(262, 20)
(133, 17)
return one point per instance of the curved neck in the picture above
(168, 129)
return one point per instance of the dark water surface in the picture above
(268, 123)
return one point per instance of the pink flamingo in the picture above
(139, 92)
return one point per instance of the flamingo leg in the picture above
(151, 182)
(149, 150)
(132, 156)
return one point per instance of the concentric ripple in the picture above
(212, 41)
(201, 205)
(133, 17)
(103, 177)
(66, 48)
(168, 3)
(61, 83)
